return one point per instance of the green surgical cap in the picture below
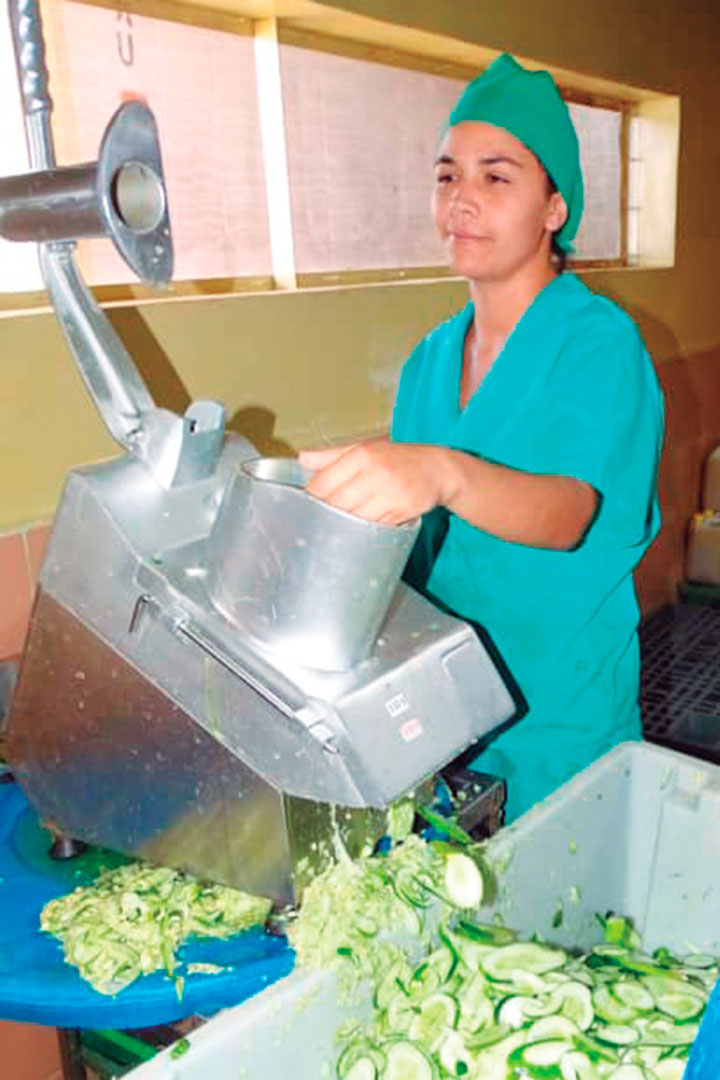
(529, 106)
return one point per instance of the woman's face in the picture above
(492, 205)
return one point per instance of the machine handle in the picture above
(26, 25)
(30, 54)
(291, 702)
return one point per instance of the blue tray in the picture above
(36, 985)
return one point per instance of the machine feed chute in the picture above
(221, 671)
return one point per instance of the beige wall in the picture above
(299, 369)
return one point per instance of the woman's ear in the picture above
(557, 212)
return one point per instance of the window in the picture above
(292, 157)
(200, 83)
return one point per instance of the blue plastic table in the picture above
(36, 985)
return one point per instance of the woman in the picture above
(528, 427)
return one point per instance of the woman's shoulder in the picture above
(446, 336)
(591, 312)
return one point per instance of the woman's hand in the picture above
(394, 482)
(378, 480)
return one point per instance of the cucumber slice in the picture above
(670, 1069)
(463, 881)
(476, 1008)
(400, 1014)
(574, 1001)
(443, 960)
(699, 960)
(540, 1058)
(618, 1034)
(633, 995)
(628, 1072)
(391, 984)
(577, 1066)
(438, 1015)
(610, 1008)
(665, 1033)
(516, 1011)
(486, 933)
(596, 1051)
(681, 1006)
(522, 956)
(660, 985)
(488, 1037)
(424, 982)
(406, 1061)
(362, 1069)
(454, 1055)
(526, 982)
(552, 1027)
(360, 1049)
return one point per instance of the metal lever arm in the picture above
(176, 450)
(26, 27)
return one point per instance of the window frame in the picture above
(290, 29)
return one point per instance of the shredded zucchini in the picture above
(133, 919)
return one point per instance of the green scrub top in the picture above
(572, 393)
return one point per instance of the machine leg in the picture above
(73, 1067)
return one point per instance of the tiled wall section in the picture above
(21, 554)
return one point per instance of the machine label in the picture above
(411, 729)
(397, 705)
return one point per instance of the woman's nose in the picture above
(464, 198)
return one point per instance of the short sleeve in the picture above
(603, 422)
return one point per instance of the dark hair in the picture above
(558, 257)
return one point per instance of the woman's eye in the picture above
(496, 178)
(444, 178)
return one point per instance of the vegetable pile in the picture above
(133, 919)
(477, 1002)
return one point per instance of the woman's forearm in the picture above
(524, 508)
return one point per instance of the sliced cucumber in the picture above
(476, 1008)
(400, 1014)
(405, 1061)
(618, 1034)
(359, 1049)
(628, 1072)
(362, 1069)
(463, 881)
(633, 995)
(391, 983)
(540, 1058)
(665, 1033)
(552, 1027)
(681, 1006)
(518, 1010)
(425, 981)
(574, 1001)
(522, 956)
(608, 1007)
(438, 1015)
(670, 1069)
(455, 1057)
(577, 1066)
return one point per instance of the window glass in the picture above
(600, 153)
(361, 140)
(200, 84)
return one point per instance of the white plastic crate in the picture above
(638, 833)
